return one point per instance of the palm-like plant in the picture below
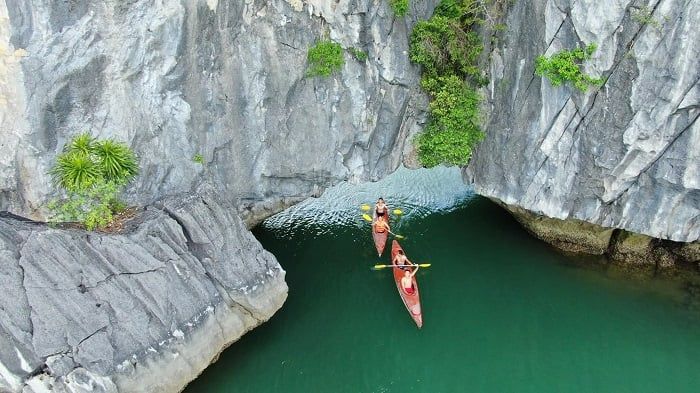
(116, 161)
(82, 143)
(93, 173)
(75, 171)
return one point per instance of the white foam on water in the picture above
(417, 193)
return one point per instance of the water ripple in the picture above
(417, 193)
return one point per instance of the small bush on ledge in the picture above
(358, 54)
(91, 174)
(565, 66)
(400, 7)
(325, 58)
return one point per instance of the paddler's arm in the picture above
(413, 273)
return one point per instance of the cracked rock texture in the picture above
(224, 79)
(142, 311)
(147, 310)
(626, 155)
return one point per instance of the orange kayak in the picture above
(379, 240)
(412, 301)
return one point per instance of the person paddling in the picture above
(381, 225)
(402, 262)
(407, 281)
(381, 209)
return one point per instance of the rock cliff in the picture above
(145, 310)
(224, 79)
(626, 155)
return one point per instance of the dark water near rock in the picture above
(503, 312)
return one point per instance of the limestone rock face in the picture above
(625, 155)
(224, 79)
(147, 310)
(142, 311)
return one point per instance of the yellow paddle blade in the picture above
(365, 207)
(377, 267)
(398, 212)
(367, 217)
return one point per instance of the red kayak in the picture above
(412, 301)
(379, 240)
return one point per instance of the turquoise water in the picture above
(503, 312)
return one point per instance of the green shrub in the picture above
(75, 170)
(400, 7)
(94, 206)
(358, 54)
(565, 66)
(443, 47)
(453, 129)
(82, 143)
(467, 12)
(448, 49)
(91, 173)
(325, 58)
(116, 160)
(198, 158)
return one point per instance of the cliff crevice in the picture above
(619, 156)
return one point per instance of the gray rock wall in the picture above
(224, 79)
(142, 311)
(626, 155)
(147, 310)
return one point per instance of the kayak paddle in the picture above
(377, 267)
(369, 219)
(365, 207)
(397, 236)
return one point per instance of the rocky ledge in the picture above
(624, 155)
(145, 310)
(630, 252)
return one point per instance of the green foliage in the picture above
(454, 103)
(91, 174)
(358, 54)
(116, 160)
(565, 66)
(453, 129)
(198, 158)
(85, 160)
(82, 143)
(464, 11)
(400, 7)
(443, 47)
(643, 16)
(94, 207)
(75, 170)
(325, 58)
(448, 49)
